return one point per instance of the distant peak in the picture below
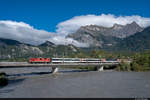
(117, 26)
(47, 43)
(134, 23)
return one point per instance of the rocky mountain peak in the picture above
(47, 43)
(134, 23)
(99, 36)
(132, 28)
(92, 27)
(117, 26)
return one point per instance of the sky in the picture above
(39, 18)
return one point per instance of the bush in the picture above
(123, 67)
(135, 67)
(2, 73)
(3, 79)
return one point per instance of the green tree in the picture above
(123, 66)
(81, 55)
(135, 66)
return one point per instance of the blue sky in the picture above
(37, 21)
(46, 14)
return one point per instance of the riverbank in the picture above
(122, 67)
(133, 66)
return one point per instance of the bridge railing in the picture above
(85, 61)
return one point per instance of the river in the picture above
(71, 83)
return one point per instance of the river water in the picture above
(71, 83)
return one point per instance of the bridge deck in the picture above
(26, 64)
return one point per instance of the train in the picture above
(65, 60)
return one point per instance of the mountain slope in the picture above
(138, 42)
(8, 42)
(12, 49)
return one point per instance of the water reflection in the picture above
(28, 74)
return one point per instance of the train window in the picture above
(41, 58)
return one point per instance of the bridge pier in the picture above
(101, 68)
(54, 70)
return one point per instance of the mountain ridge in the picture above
(138, 42)
(97, 36)
(12, 49)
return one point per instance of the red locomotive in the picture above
(39, 60)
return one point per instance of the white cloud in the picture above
(25, 33)
(65, 41)
(71, 25)
(28, 34)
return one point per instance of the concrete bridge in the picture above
(55, 66)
